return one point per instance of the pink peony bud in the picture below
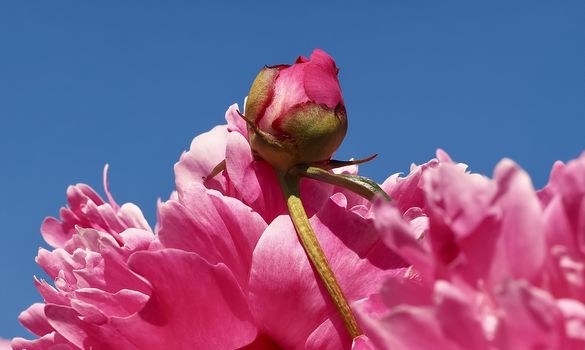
(296, 112)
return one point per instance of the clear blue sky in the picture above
(130, 83)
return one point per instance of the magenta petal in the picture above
(85, 335)
(132, 216)
(254, 181)
(399, 236)
(51, 341)
(320, 80)
(464, 199)
(34, 320)
(574, 314)
(49, 293)
(289, 91)
(522, 223)
(121, 304)
(415, 328)
(53, 233)
(531, 319)
(406, 192)
(218, 228)
(457, 318)
(194, 305)
(240, 165)
(548, 192)
(329, 335)
(280, 280)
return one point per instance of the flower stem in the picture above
(290, 188)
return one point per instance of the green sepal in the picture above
(361, 185)
(334, 164)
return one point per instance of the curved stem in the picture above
(290, 187)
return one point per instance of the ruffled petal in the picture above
(194, 305)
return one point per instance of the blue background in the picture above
(131, 83)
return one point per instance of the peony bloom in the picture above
(296, 112)
(456, 261)
(497, 266)
(225, 269)
(93, 283)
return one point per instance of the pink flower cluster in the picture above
(455, 261)
(495, 264)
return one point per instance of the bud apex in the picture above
(296, 113)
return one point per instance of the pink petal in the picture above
(289, 91)
(463, 198)
(546, 194)
(407, 192)
(120, 304)
(574, 314)
(399, 236)
(531, 320)
(254, 181)
(194, 305)
(53, 233)
(523, 251)
(34, 320)
(408, 328)
(85, 335)
(329, 335)
(132, 216)
(51, 341)
(98, 261)
(207, 150)
(49, 293)
(320, 80)
(235, 122)
(459, 322)
(280, 279)
(220, 229)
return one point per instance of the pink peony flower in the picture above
(224, 271)
(93, 282)
(499, 266)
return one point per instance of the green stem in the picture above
(290, 187)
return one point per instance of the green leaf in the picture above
(361, 185)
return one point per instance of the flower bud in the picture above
(296, 113)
